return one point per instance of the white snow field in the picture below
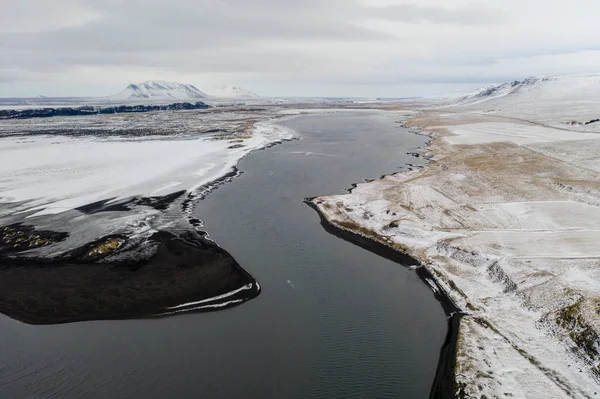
(54, 173)
(507, 217)
(518, 133)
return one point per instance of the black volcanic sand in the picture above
(144, 279)
(443, 386)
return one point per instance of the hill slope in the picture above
(553, 100)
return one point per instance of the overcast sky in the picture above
(382, 48)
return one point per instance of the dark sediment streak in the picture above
(110, 205)
(443, 386)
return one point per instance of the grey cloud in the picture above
(473, 15)
(208, 35)
(191, 36)
(312, 41)
(8, 76)
(138, 26)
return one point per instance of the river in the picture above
(333, 320)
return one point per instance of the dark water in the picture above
(333, 320)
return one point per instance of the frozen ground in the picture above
(507, 218)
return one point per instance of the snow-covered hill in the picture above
(493, 91)
(231, 91)
(550, 87)
(159, 91)
(553, 99)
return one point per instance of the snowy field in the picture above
(52, 174)
(507, 218)
(518, 133)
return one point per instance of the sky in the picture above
(337, 48)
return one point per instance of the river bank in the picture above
(482, 218)
(443, 386)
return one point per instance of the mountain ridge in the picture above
(159, 90)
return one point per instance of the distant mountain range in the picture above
(156, 90)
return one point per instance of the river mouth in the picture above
(332, 320)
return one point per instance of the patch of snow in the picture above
(216, 298)
(215, 306)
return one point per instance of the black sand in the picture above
(145, 280)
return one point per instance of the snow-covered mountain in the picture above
(231, 91)
(159, 91)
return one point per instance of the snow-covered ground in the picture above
(54, 165)
(518, 133)
(52, 174)
(507, 218)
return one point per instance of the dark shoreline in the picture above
(443, 386)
